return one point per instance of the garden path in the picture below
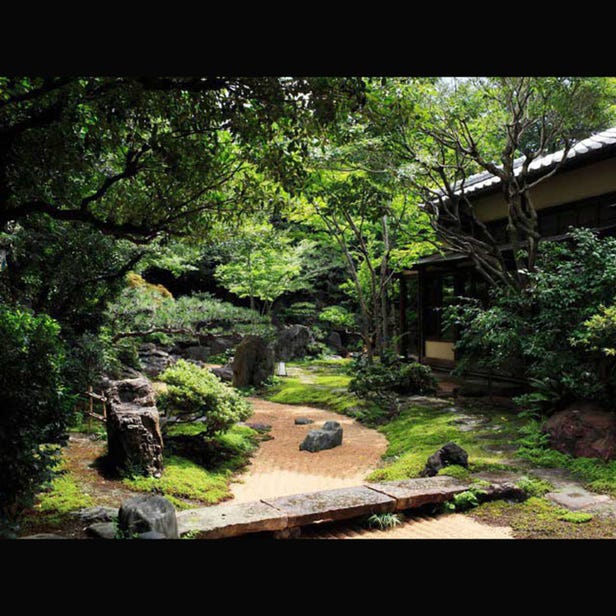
(279, 469)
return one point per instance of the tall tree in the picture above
(498, 125)
(137, 157)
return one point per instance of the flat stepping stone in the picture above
(230, 520)
(259, 427)
(412, 493)
(102, 530)
(330, 505)
(427, 401)
(577, 499)
(302, 421)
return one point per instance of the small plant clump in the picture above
(383, 521)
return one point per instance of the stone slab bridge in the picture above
(285, 515)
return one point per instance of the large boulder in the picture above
(93, 515)
(153, 359)
(220, 343)
(293, 342)
(253, 363)
(147, 513)
(447, 455)
(329, 436)
(134, 438)
(334, 342)
(197, 353)
(137, 391)
(224, 373)
(583, 430)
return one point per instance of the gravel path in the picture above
(279, 468)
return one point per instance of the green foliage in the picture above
(537, 518)
(419, 431)
(534, 487)
(63, 496)
(383, 521)
(465, 500)
(552, 331)
(265, 265)
(597, 474)
(142, 308)
(322, 391)
(33, 406)
(183, 479)
(299, 312)
(456, 471)
(338, 317)
(576, 517)
(194, 392)
(380, 382)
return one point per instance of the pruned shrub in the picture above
(194, 393)
(382, 382)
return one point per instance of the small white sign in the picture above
(282, 369)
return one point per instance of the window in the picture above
(439, 292)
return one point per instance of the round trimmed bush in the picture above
(195, 393)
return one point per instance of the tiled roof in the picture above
(599, 141)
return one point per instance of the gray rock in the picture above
(219, 343)
(151, 534)
(448, 455)
(334, 342)
(197, 353)
(293, 342)
(43, 536)
(224, 373)
(302, 421)
(326, 438)
(102, 530)
(153, 359)
(259, 427)
(148, 512)
(137, 391)
(253, 363)
(92, 515)
(134, 440)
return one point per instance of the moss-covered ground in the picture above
(187, 484)
(501, 440)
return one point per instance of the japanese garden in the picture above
(301, 308)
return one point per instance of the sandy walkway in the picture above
(452, 526)
(279, 468)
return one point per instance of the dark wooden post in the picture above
(403, 338)
(420, 311)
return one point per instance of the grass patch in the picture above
(327, 391)
(597, 475)
(418, 432)
(183, 479)
(54, 504)
(534, 487)
(458, 472)
(537, 518)
(576, 517)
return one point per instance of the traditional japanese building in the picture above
(582, 193)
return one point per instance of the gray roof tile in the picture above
(604, 139)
